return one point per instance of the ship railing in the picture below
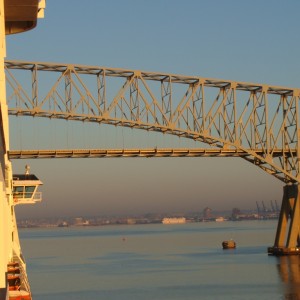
(28, 197)
(23, 275)
(37, 197)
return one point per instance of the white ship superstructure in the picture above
(16, 16)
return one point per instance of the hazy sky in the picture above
(252, 41)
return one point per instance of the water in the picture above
(158, 262)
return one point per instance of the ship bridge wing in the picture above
(22, 15)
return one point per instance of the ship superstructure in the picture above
(16, 16)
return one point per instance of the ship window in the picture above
(18, 191)
(23, 191)
(29, 191)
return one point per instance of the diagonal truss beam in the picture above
(257, 119)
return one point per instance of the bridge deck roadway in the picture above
(152, 152)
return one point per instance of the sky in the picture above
(252, 41)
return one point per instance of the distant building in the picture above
(207, 213)
(173, 220)
(131, 221)
(63, 224)
(81, 222)
(236, 214)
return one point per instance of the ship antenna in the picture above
(27, 168)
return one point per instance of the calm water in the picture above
(159, 262)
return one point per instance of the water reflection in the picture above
(289, 271)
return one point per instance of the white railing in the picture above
(27, 198)
(23, 275)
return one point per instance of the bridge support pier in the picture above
(287, 240)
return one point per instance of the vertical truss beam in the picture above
(34, 86)
(101, 91)
(166, 99)
(296, 97)
(68, 91)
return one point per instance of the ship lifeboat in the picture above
(14, 283)
(19, 295)
(229, 244)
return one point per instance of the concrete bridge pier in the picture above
(287, 240)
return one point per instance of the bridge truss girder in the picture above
(114, 153)
(258, 119)
(257, 122)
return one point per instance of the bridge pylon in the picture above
(287, 241)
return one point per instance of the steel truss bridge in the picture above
(257, 122)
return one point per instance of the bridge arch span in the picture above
(258, 120)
